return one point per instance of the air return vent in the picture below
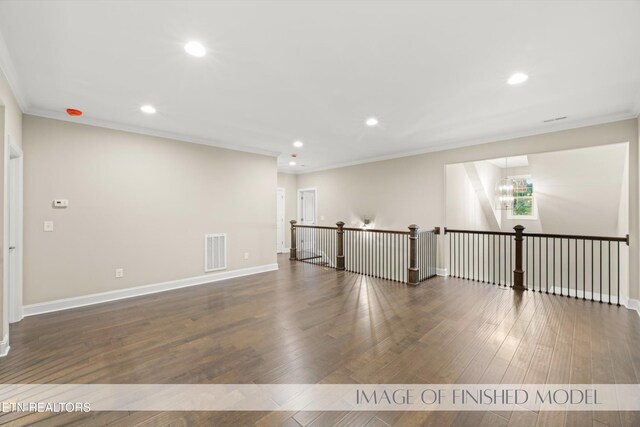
(215, 252)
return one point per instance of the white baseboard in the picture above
(631, 304)
(4, 346)
(442, 272)
(84, 300)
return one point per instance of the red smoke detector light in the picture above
(73, 112)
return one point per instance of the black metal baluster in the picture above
(568, 267)
(540, 264)
(561, 261)
(526, 262)
(504, 259)
(609, 269)
(450, 257)
(584, 269)
(618, 276)
(485, 255)
(392, 256)
(458, 257)
(553, 289)
(546, 262)
(473, 256)
(493, 259)
(468, 273)
(533, 264)
(593, 286)
(511, 259)
(575, 256)
(600, 271)
(499, 259)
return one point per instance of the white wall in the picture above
(464, 208)
(137, 202)
(578, 191)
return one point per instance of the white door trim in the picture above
(300, 190)
(282, 249)
(15, 178)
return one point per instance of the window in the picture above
(523, 200)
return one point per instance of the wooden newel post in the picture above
(293, 252)
(414, 273)
(518, 273)
(340, 246)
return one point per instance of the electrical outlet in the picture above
(48, 226)
(321, 217)
(246, 255)
(119, 273)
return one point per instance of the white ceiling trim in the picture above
(146, 131)
(450, 145)
(6, 65)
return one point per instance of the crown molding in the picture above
(636, 106)
(466, 142)
(7, 68)
(91, 121)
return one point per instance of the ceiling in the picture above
(510, 162)
(433, 73)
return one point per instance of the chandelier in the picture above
(504, 190)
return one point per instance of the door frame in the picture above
(15, 189)
(284, 220)
(299, 204)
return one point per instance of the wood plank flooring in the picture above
(309, 324)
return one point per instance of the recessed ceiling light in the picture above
(292, 163)
(298, 144)
(371, 121)
(517, 78)
(194, 48)
(149, 109)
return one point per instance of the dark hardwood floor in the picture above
(308, 324)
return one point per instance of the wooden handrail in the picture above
(578, 237)
(375, 230)
(323, 227)
(370, 230)
(548, 235)
(409, 256)
(496, 233)
(591, 263)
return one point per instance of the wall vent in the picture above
(215, 252)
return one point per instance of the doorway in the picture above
(14, 264)
(280, 218)
(307, 206)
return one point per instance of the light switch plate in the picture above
(48, 226)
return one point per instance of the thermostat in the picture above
(60, 203)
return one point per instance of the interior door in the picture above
(280, 218)
(306, 236)
(308, 207)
